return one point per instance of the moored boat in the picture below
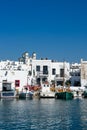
(77, 91)
(85, 92)
(24, 95)
(28, 91)
(64, 95)
(7, 90)
(7, 94)
(46, 91)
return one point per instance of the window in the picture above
(71, 74)
(59, 83)
(38, 68)
(6, 86)
(45, 69)
(61, 72)
(53, 71)
(17, 83)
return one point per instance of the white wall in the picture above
(12, 76)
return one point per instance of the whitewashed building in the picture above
(75, 74)
(13, 74)
(50, 70)
(30, 70)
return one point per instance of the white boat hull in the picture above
(47, 95)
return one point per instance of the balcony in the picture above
(42, 74)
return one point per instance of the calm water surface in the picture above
(43, 114)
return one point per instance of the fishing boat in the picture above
(7, 90)
(7, 94)
(64, 94)
(85, 92)
(77, 91)
(29, 91)
(26, 92)
(46, 90)
(24, 95)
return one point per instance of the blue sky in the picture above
(56, 29)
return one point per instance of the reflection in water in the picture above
(43, 114)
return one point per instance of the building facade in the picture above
(29, 70)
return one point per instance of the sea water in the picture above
(43, 114)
